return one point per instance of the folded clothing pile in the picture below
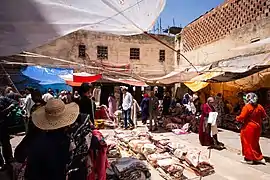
(194, 156)
(176, 122)
(153, 158)
(110, 174)
(148, 149)
(183, 130)
(131, 169)
(166, 120)
(171, 126)
(198, 161)
(124, 138)
(113, 150)
(171, 166)
(137, 145)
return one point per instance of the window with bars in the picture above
(82, 49)
(102, 52)
(135, 53)
(161, 55)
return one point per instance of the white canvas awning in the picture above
(235, 68)
(183, 74)
(27, 24)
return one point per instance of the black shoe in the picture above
(220, 143)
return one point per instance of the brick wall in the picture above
(118, 50)
(222, 21)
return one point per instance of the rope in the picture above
(150, 35)
(109, 72)
(34, 55)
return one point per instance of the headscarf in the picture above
(186, 99)
(251, 98)
(210, 99)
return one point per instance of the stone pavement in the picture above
(227, 162)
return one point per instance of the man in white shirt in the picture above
(126, 105)
(49, 95)
(28, 102)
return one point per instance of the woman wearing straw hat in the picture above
(50, 150)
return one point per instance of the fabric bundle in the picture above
(113, 150)
(148, 149)
(177, 120)
(166, 121)
(171, 166)
(179, 153)
(183, 130)
(195, 156)
(136, 145)
(172, 126)
(131, 169)
(153, 158)
(111, 174)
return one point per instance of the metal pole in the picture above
(9, 79)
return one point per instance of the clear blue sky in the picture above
(185, 11)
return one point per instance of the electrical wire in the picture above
(150, 35)
(34, 55)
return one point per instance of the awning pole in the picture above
(9, 79)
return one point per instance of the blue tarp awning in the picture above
(42, 78)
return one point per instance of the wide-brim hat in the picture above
(124, 87)
(55, 115)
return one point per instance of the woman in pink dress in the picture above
(204, 129)
(112, 106)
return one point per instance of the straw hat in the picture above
(55, 115)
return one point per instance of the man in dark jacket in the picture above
(153, 111)
(86, 104)
(6, 105)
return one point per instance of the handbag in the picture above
(239, 125)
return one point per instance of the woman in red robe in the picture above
(251, 117)
(204, 129)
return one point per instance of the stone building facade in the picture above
(147, 56)
(217, 34)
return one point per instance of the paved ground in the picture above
(227, 162)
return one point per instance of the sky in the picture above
(185, 11)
